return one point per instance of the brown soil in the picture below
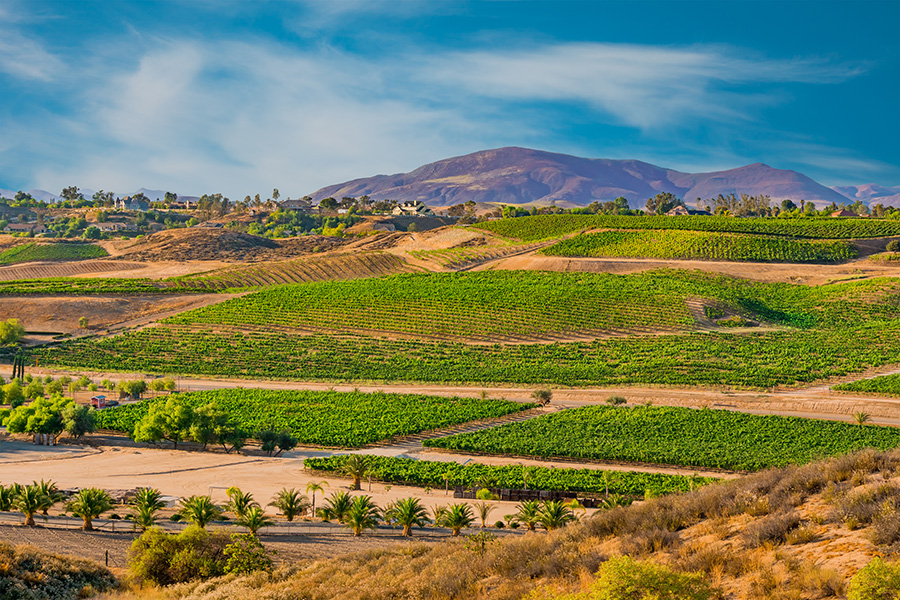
(80, 268)
(207, 244)
(60, 314)
(770, 272)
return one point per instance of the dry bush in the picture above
(773, 528)
(864, 505)
(885, 531)
(649, 540)
(801, 535)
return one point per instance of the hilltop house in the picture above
(413, 208)
(129, 203)
(678, 211)
(109, 226)
(304, 204)
(26, 228)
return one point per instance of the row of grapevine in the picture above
(499, 305)
(346, 419)
(675, 436)
(437, 474)
(757, 360)
(700, 245)
(53, 251)
(545, 227)
(888, 385)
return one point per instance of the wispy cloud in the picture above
(641, 86)
(243, 117)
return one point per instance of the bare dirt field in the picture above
(60, 314)
(770, 272)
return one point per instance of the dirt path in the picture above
(769, 272)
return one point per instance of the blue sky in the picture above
(239, 97)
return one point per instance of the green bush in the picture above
(164, 559)
(29, 573)
(893, 246)
(878, 580)
(622, 578)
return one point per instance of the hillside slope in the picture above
(521, 175)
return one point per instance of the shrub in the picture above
(622, 578)
(246, 554)
(893, 246)
(773, 528)
(878, 580)
(31, 574)
(616, 400)
(164, 559)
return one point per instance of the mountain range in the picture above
(521, 175)
(524, 176)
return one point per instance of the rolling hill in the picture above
(521, 175)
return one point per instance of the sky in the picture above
(237, 97)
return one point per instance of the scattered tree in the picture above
(357, 467)
(362, 514)
(291, 503)
(199, 510)
(409, 513)
(90, 503)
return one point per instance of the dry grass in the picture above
(754, 537)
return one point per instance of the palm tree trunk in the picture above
(455, 531)
(356, 482)
(88, 524)
(407, 530)
(29, 519)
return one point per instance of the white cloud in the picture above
(244, 117)
(25, 58)
(641, 86)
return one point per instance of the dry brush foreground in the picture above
(796, 532)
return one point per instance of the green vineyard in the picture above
(82, 286)
(758, 360)
(520, 305)
(545, 227)
(675, 436)
(61, 251)
(439, 474)
(341, 266)
(346, 419)
(888, 385)
(701, 245)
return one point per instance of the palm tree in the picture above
(240, 502)
(7, 498)
(457, 516)
(484, 510)
(357, 467)
(363, 514)
(313, 488)
(90, 503)
(291, 503)
(254, 519)
(336, 507)
(555, 514)
(438, 513)
(145, 504)
(30, 500)
(199, 510)
(49, 489)
(409, 512)
(861, 418)
(529, 513)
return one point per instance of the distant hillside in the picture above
(520, 175)
(871, 193)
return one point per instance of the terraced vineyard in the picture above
(488, 306)
(82, 286)
(462, 257)
(438, 474)
(54, 251)
(888, 385)
(674, 436)
(64, 269)
(701, 245)
(342, 266)
(758, 360)
(347, 419)
(545, 227)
